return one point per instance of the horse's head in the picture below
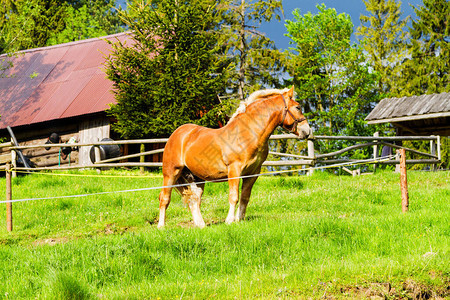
(293, 119)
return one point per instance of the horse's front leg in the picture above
(170, 177)
(233, 196)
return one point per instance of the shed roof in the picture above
(410, 108)
(56, 82)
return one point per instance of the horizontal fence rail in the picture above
(290, 159)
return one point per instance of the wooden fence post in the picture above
(98, 156)
(403, 180)
(9, 224)
(142, 158)
(375, 151)
(433, 147)
(14, 163)
(311, 155)
(438, 142)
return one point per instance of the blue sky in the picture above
(276, 30)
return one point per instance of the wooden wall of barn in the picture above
(90, 131)
(86, 130)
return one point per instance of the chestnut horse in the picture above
(194, 153)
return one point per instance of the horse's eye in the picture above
(299, 108)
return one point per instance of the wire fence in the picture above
(365, 161)
(311, 162)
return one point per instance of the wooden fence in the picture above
(287, 159)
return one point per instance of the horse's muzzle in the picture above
(304, 131)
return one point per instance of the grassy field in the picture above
(322, 236)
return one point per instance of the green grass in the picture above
(304, 237)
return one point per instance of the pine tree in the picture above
(427, 71)
(258, 62)
(170, 74)
(383, 38)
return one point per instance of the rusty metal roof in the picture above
(56, 82)
(410, 108)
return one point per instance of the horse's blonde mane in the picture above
(254, 97)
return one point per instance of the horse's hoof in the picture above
(200, 224)
(229, 221)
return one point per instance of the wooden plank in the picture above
(5, 145)
(92, 166)
(43, 132)
(346, 150)
(53, 160)
(5, 158)
(289, 155)
(122, 142)
(409, 150)
(411, 161)
(387, 162)
(91, 131)
(400, 108)
(283, 136)
(394, 108)
(409, 118)
(287, 162)
(380, 138)
(131, 156)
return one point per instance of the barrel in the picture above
(106, 151)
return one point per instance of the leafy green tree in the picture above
(7, 7)
(29, 23)
(258, 62)
(384, 39)
(427, 71)
(329, 73)
(87, 19)
(170, 74)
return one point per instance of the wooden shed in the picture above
(415, 115)
(61, 89)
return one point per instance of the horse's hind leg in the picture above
(247, 184)
(192, 195)
(170, 177)
(194, 204)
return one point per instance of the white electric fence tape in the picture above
(374, 160)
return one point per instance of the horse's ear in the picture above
(291, 92)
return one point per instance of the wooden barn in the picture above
(415, 115)
(59, 89)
